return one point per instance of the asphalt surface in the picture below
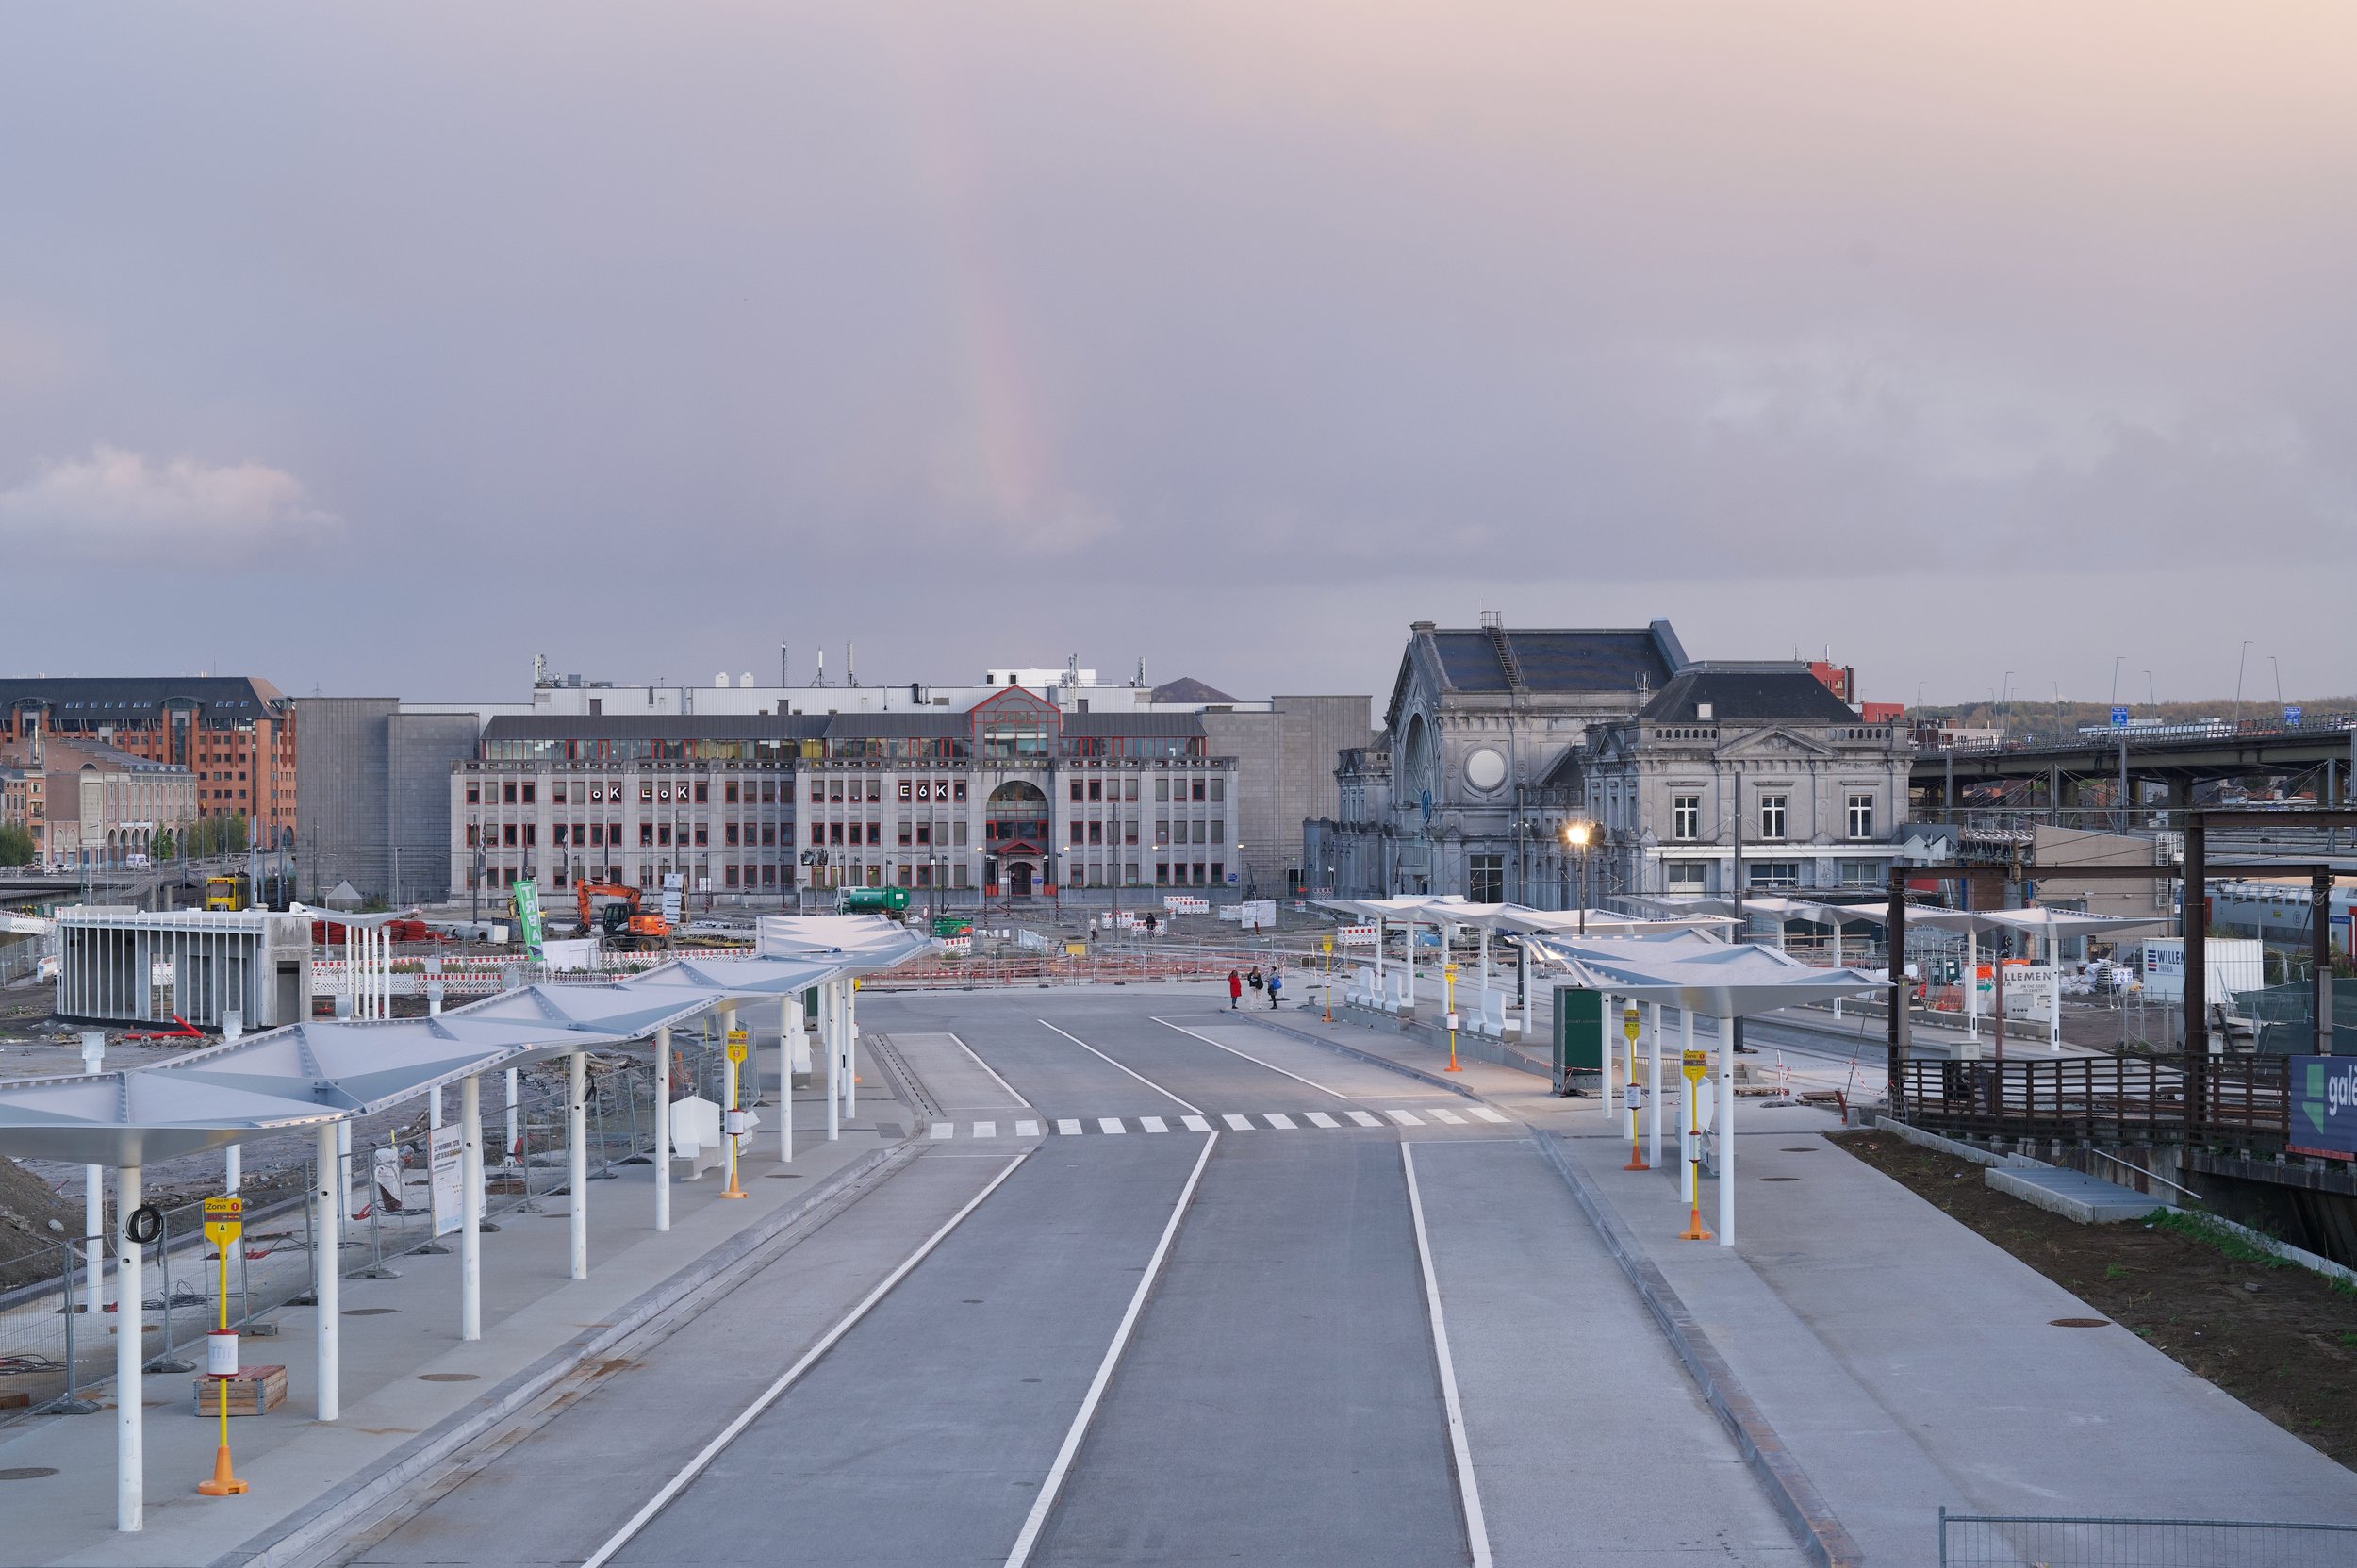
(1192, 1327)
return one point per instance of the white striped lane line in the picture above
(1468, 1490)
(994, 1074)
(1486, 1115)
(1319, 1118)
(985, 1130)
(944, 1129)
(1109, 1124)
(1449, 1116)
(1131, 1071)
(1045, 1503)
(1242, 1124)
(1068, 1127)
(1154, 1124)
(1195, 1124)
(1027, 1129)
(786, 1379)
(1249, 1057)
(1278, 1119)
(1364, 1119)
(1405, 1118)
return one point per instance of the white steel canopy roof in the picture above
(1449, 909)
(325, 1070)
(1723, 980)
(2039, 920)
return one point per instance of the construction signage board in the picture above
(2324, 1107)
(672, 882)
(1186, 904)
(445, 1178)
(527, 895)
(1354, 936)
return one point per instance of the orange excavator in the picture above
(619, 917)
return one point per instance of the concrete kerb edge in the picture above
(1371, 1056)
(1954, 1149)
(291, 1538)
(1823, 1538)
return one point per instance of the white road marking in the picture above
(1242, 1124)
(1489, 1116)
(1069, 1128)
(1468, 1488)
(994, 1074)
(1249, 1057)
(1278, 1118)
(944, 1129)
(1027, 1129)
(1196, 1124)
(985, 1130)
(1364, 1119)
(1405, 1118)
(1449, 1116)
(1131, 1071)
(1154, 1124)
(1109, 1124)
(786, 1379)
(1319, 1118)
(1045, 1503)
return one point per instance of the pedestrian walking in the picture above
(1276, 983)
(1235, 989)
(1254, 979)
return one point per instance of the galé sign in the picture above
(2324, 1106)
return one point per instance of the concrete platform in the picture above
(2071, 1194)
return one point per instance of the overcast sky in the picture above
(376, 348)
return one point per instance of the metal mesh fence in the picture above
(2028, 1541)
(53, 1349)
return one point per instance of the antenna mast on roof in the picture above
(851, 665)
(784, 679)
(822, 668)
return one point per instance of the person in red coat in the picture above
(1235, 989)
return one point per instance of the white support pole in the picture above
(1726, 1131)
(1382, 996)
(577, 1150)
(789, 1028)
(327, 1275)
(1971, 984)
(1607, 1059)
(93, 1194)
(663, 1127)
(130, 1356)
(1653, 1087)
(1522, 952)
(343, 1173)
(233, 1169)
(514, 1086)
(1689, 1182)
(1485, 976)
(827, 1042)
(850, 1047)
(470, 1207)
(1408, 958)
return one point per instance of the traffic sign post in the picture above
(1693, 1065)
(738, 1046)
(225, 1224)
(1448, 1006)
(1632, 1097)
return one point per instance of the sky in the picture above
(374, 350)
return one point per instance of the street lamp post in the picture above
(1576, 834)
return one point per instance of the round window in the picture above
(1485, 769)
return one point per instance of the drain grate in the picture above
(369, 1311)
(450, 1377)
(2081, 1323)
(27, 1472)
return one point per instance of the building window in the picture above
(704, 792)
(769, 833)
(1772, 873)
(1686, 876)
(728, 834)
(474, 794)
(1199, 789)
(1487, 881)
(1861, 817)
(1075, 791)
(1076, 832)
(528, 789)
(1861, 873)
(1772, 816)
(728, 793)
(1686, 816)
(957, 790)
(1161, 873)
(646, 835)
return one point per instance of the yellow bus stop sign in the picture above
(737, 1038)
(1628, 1022)
(1691, 1064)
(224, 1220)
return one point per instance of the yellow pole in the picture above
(1631, 1093)
(223, 1226)
(1448, 1006)
(1692, 1068)
(737, 1047)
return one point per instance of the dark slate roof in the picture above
(1745, 693)
(1184, 724)
(1188, 689)
(106, 699)
(1557, 661)
(655, 727)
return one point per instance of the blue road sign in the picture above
(2120, 718)
(2291, 716)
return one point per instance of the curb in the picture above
(1790, 1491)
(294, 1538)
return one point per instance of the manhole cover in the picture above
(1802, 1148)
(2081, 1323)
(27, 1473)
(1779, 1179)
(785, 1176)
(450, 1377)
(369, 1311)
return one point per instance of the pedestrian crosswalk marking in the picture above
(1281, 1122)
(1405, 1118)
(1069, 1128)
(943, 1129)
(985, 1130)
(1242, 1124)
(1319, 1118)
(1486, 1115)
(1154, 1124)
(1196, 1124)
(1027, 1129)
(1449, 1116)
(1364, 1119)
(1277, 1118)
(1111, 1123)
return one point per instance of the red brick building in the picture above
(234, 733)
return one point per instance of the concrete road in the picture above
(1196, 1321)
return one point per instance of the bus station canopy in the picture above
(330, 1070)
(1450, 909)
(2041, 920)
(1726, 980)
